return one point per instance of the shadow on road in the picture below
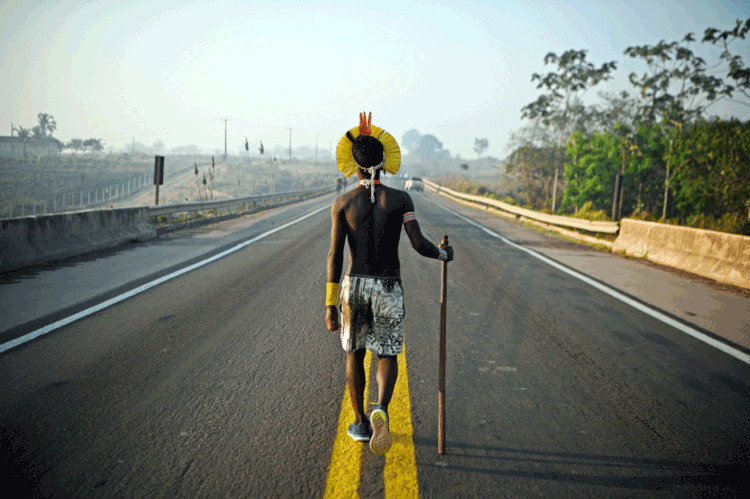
(583, 468)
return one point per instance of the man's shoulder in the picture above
(397, 194)
(343, 199)
(400, 198)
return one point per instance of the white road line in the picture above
(737, 354)
(117, 299)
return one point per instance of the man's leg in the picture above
(355, 379)
(386, 376)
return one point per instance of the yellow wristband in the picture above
(332, 293)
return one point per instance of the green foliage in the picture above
(533, 161)
(736, 71)
(674, 63)
(588, 212)
(714, 178)
(676, 165)
(574, 74)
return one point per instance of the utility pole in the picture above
(290, 143)
(225, 137)
(133, 145)
(329, 149)
(316, 148)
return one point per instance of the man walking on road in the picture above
(369, 218)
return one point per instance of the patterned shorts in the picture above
(372, 310)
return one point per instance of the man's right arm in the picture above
(419, 242)
(335, 264)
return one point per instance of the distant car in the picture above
(414, 184)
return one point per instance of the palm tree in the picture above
(75, 144)
(47, 123)
(38, 136)
(23, 134)
(95, 145)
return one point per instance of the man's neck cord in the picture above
(369, 183)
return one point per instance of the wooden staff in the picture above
(441, 382)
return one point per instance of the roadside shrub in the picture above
(586, 212)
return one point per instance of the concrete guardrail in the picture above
(556, 220)
(719, 256)
(34, 240)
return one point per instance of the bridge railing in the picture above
(556, 220)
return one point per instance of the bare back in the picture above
(373, 231)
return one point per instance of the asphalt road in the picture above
(224, 382)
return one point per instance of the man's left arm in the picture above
(419, 242)
(335, 266)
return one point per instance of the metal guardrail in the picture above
(174, 209)
(558, 220)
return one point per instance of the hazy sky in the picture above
(172, 70)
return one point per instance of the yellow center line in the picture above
(400, 471)
(346, 459)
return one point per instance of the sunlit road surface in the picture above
(224, 382)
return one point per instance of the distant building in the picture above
(11, 147)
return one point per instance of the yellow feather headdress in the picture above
(391, 151)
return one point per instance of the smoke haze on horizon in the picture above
(169, 71)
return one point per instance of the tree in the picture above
(560, 107)
(24, 134)
(676, 86)
(47, 123)
(714, 161)
(96, 145)
(533, 161)
(89, 144)
(617, 108)
(76, 145)
(480, 145)
(737, 71)
(675, 91)
(411, 140)
(56, 144)
(594, 163)
(431, 148)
